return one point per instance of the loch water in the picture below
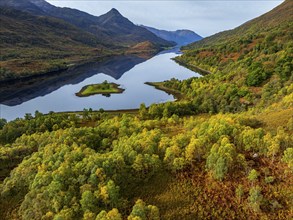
(57, 92)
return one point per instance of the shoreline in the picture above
(72, 66)
(193, 68)
(158, 85)
(177, 95)
(113, 112)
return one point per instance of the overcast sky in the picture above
(203, 17)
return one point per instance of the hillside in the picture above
(261, 49)
(33, 45)
(144, 47)
(37, 37)
(224, 150)
(181, 37)
(23, 5)
(279, 17)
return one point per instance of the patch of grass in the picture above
(274, 119)
(169, 194)
(9, 208)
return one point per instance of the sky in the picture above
(203, 17)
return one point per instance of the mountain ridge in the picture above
(31, 32)
(104, 26)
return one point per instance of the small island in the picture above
(104, 88)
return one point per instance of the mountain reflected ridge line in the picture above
(16, 93)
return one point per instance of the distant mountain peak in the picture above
(114, 12)
(113, 17)
(181, 37)
(111, 28)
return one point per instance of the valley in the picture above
(204, 131)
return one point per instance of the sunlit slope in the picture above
(280, 18)
(253, 62)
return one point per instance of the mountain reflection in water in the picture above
(17, 92)
(57, 92)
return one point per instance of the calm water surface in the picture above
(58, 93)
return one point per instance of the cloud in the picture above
(203, 17)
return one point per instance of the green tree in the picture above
(221, 158)
(111, 215)
(255, 198)
(143, 112)
(273, 149)
(88, 201)
(179, 164)
(253, 175)
(195, 150)
(239, 192)
(110, 193)
(141, 211)
(88, 215)
(2, 122)
(288, 158)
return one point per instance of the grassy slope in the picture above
(194, 194)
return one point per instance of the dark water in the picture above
(57, 92)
